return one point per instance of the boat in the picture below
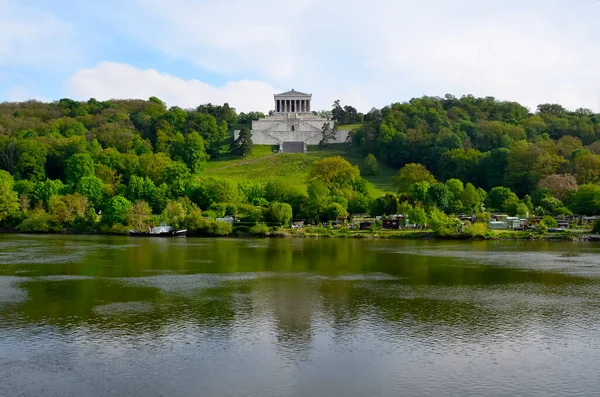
(159, 231)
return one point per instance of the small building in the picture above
(229, 219)
(390, 223)
(365, 225)
(499, 225)
(297, 223)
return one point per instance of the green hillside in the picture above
(264, 164)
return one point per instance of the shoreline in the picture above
(379, 234)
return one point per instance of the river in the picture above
(114, 316)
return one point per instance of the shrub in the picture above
(541, 228)
(550, 221)
(38, 221)
(260, 229)
(220, 228)
(596, 227)
(477, 230)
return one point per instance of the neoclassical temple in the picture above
(292, 126)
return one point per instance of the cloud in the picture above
(370, 54)
(31, 36)
(117, 80)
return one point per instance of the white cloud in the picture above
(19, 93)
(30, 36)
(117, 80)
(370, 54)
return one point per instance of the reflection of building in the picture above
(293, 310)
(292, 126)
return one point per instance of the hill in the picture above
(264, 165)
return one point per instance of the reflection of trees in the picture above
(290, 285)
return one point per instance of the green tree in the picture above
(8, 197)
(585, 200)
(280, 213)
(500, 195)
(78, 166)
(93, 188)
(31, 160)
(411, 174)
(370, 165)
(242, 146)
(116, 211)
(335, 211)
(328, 134)
(335, 172)
(385, 205)
(471, 199)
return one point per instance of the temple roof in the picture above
(293, 93)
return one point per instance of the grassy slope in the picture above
(263, 165)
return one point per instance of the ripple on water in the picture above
(123, 308)
(10, 292)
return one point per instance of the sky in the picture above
(366, 54)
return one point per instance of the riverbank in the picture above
(315, 232)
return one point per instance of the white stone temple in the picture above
(292, 126)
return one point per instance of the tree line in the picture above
(110, 165)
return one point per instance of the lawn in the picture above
(264, 165)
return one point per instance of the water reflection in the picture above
(296, 317)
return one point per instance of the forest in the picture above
(108, 166)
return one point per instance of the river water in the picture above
(114, 316)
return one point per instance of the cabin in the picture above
(365, 225)
(297, 223)
(229, 219)
(390, 224)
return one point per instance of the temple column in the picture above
(303, 106)
(287, 105)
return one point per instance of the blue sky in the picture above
(366, 54)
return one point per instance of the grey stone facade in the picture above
(292, 121)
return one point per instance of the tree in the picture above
(585, 200)
(385, 205)
(116, 211)
(335, 172)
(78, 166)
(418, 216)
(471, 199)
(45, 190)
(93, 188)
(335, 211)
(280, 213)
(328, 134)
(411, 174)
(560, 185)
(65, 209)
(242, 146)
(500, 195)
(370, 165)
(8, 197)
(174, 213)
(191, 150)
(31, 160)
(440, 195)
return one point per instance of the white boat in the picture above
(159, 231)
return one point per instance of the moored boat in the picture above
(159, 231)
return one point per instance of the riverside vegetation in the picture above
(108, 166)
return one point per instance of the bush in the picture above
(596, 228)
(477, 230)
(220, 228)
(541, 228)
(260, 229)
(550, 221)
(38, 221)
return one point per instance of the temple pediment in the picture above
(293, 93)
